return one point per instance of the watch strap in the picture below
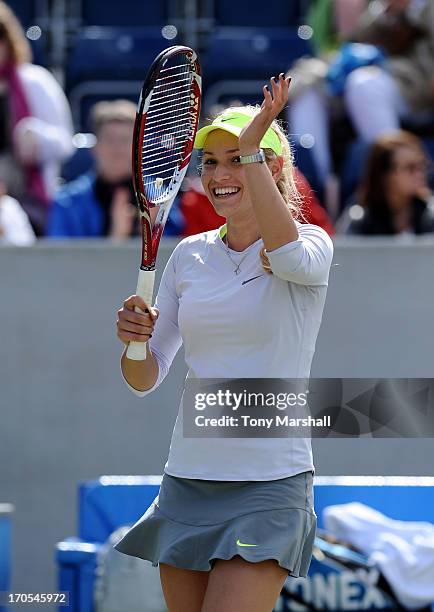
(251, 159)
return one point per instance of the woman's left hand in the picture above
(273, 104)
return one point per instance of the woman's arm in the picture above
(138, 327)
(305, 261)
(143, 377)
(274, 218)
(275, 221)
(297, 253)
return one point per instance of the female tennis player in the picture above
(234, 516)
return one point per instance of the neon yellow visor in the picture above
(233, 121)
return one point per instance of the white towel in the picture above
(404, 550)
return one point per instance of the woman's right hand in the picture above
(133, 325)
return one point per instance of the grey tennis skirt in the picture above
(192, 523)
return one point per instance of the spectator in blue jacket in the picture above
(101, 202)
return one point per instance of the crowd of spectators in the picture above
(101, 202)
(35, 133)
(381, 83)
(375, 68)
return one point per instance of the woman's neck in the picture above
(240, 236)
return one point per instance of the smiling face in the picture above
(223, 175)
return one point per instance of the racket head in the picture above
(166, 122)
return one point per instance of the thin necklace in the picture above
(237, 265)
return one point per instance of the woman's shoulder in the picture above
(202, 237)
(196, 243)
(311, 231)
(310, 227)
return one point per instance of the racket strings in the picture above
(160, 114)
(166, 97)
(167, 141)
(160, 81)
(164, 145)
(155, 166)
(163, 99)
(188, 65)
(157, 119)
(169, 120)
(154, 156)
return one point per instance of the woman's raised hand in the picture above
(273, 104)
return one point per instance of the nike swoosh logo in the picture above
(227, 119)
(241, 544)
(250, 279)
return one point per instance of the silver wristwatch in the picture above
(250, 159)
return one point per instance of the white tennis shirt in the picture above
(263, 328)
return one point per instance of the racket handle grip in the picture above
(145, 289)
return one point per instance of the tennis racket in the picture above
(164, 131)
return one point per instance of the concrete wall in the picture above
(66, 416)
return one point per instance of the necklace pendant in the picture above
(237, 270)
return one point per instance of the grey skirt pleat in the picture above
(192, 523)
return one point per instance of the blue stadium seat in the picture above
(79, 163)
(24, 10)
(125, 13)
(254, 13)
(239, 61)
(33, 13)
(39, 50)
(83, 97)
(352, 171)
(251, 53)
(6, 511)
(114, 53)
(231, 93)
(103, 506)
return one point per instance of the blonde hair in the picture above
(286, 182)
(13, 33)
(108, 111)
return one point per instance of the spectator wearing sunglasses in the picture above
(394, 196)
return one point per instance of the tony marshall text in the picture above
(267, 423)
